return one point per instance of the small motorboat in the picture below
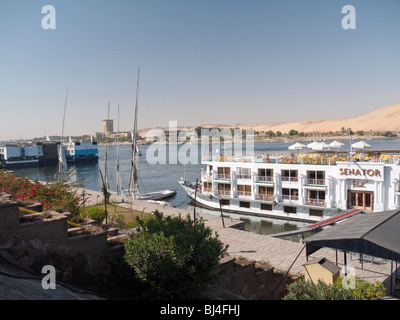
(158, 195)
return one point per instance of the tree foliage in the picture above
(173, 256)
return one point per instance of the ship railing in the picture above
(290, 197)
(206, 190)
(315, 158)
(290, 179)
(314, 202)
(317, 182)
(264, 197)
(225, 176)
(222, 193)
(243, 176)
(265, 178)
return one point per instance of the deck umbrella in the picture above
(319, 146)
(297, 146)
(336, 144)
(360, 145)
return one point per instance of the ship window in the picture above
(289, 175)
(244, 190)
(265, 174)
(243, 173)
(290, 194)
(224, 202)
(288, 209)
(315, 212)
(207, 187)
(316, 177)
(244, 204)
(224, 173)
(266, 206)
(224, 189)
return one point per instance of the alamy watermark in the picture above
(49, 20)
(348, 21)
(185, 146)
(49, 280)
(348, 277)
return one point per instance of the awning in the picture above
(375, 234)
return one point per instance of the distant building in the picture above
(108, 126)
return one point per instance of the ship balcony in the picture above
(316, 182)
(290, 179)
(264, 197)
(289, 197)
(243, 176)
(263, 179)
(222, 193)
(244, 193)
(314, 202)
(223, 176)
(206, 190)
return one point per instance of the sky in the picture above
(201, 62)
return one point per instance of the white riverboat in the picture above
(79, 151)
(18, 156)
(306, 187)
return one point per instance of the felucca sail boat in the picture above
(62, 160)
(133, 188)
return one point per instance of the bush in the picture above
(365, 290)
(308, 290)
(173, 257)
(55, 194)
(94, 213)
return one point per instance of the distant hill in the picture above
(383, 119)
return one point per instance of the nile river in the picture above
(154, 177)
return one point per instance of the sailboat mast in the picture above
(62, 163)
(119, 182)
(106, 181)
(133, 178)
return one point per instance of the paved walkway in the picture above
(279, 253)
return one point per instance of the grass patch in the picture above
(122, 217)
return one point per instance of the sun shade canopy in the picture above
(375, 234)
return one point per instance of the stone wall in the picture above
(248, 280)
(86, 258)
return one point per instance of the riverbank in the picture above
(282, 255)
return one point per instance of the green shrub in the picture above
(173, 257)
(308, 290)
(365, 290)
(94, 213)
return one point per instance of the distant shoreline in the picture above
(280, 139)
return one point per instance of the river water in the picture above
(165, 175)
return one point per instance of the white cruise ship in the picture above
(307, 187)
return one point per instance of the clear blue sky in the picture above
(202, 61)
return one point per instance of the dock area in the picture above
(281, 254)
